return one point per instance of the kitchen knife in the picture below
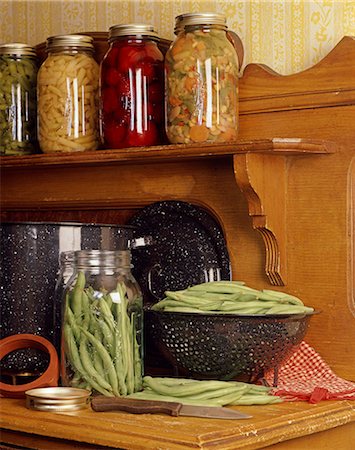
(137, 406)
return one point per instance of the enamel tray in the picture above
(188, 247)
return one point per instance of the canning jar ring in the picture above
(21, 341)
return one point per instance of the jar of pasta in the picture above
(18, 108)
(201, 72)
(132, 88)
(68, 89)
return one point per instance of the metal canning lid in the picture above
(199, 19)
(57, 399)
(81, 41)
(17, 49)
(132, 29)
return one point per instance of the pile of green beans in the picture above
(101, 348)
(230, 297)
(204, 392)
(18, 106)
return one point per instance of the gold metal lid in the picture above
(207, 18)
(17, 49)
(76, 41)
(130, 29)
(57, 399)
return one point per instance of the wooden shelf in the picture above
(171, 152)
(285, 425)
(260, 169)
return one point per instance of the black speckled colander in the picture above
(225, 347)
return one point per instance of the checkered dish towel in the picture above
(305, 376)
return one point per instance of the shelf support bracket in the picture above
(262, 179)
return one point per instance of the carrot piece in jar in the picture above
(174, 101)
(190, 83)
(199, 133)
(178, 46)
(229, 135)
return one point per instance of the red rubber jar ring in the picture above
(20, 341)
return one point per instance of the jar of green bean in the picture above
(201, 72)
(18, 108)
(102, 321)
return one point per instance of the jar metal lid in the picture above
(130, 29)
(81, 41)
(17, 49)
(57, 399)
(207, 18)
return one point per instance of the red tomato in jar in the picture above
(153, 53)
(110, 58)
(148, 137)
(109, 100)
(122, 114)
(111, 76)
(129, 56)
(123, 86)
(154, 113)
(114, 135)
(147, 69)
(155, 92)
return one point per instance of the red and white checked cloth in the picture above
(305, 376)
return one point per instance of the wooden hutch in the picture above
(284, 195)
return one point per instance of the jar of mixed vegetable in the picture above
(68, 90)
(102, 324)
(201, 72)
(132, 88)
(18, 107)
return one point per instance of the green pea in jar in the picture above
(201, 72)
(18, 106)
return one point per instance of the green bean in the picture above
(70, 319)
(220, 392)
(182, 390)
(106, 359)
(229, 297)
(88, 365)
(76, 295)
(75, 361)
(145, 395)
(256, 400)
(185, 309)
(283, 295)
(97, 361)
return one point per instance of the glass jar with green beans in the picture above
(18, 106)
(102, 322)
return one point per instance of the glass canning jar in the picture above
(102, 321)
(18, 105)
(68, 90)
(132, 88)
(201, 73)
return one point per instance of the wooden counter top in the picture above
(302, 423)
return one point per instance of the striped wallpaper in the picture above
(288, 36)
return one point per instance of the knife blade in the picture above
(101, 403)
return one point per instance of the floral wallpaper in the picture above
(286, 35)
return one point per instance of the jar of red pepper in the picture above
(132, 88)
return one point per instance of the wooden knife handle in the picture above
(101, 403)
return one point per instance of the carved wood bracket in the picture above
(263, 180)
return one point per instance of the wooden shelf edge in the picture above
(171, 152)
